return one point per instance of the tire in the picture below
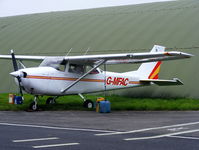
(50, 100)
(88, 104)
(33, 106)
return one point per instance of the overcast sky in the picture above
(20, 7)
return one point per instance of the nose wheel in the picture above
(34, 106)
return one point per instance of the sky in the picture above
(21, 7)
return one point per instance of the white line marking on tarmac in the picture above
(177, 129)
(56, 145)
(57, 128)
(184, 137)
(147, 129)
(161, 136)
(38, 139)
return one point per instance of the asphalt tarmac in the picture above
(88, 130)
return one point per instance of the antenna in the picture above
(69, 51)
(87, 50)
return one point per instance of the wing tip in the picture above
(176, 53)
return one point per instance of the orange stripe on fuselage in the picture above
(156, 70)
(72, 79)
(62, 78)
(134, 82)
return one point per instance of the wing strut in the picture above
(76, 81)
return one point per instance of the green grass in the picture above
(124, 103)
(117, 103)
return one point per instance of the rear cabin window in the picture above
(95, 71)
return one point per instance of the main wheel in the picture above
(88, 104)
(33, 106)
(50, 100)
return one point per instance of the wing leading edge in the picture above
(112, 58)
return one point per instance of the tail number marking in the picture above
(117, 81)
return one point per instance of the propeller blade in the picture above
(14, 62)
(16, 74)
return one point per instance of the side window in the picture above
(76, 68)
(95, 71)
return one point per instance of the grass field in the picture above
(117, 103)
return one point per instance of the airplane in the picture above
(76, 75)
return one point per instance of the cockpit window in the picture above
(74, 68)
(54, 62)
(61, 67)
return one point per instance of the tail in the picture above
(148, 72)
(151, 70)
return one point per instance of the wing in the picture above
(126, 58)
(23, 57)
(157, 54)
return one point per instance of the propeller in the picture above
(16, 73)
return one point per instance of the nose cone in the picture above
(15, 74)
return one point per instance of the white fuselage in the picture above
(50, 81)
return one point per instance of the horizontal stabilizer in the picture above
(175, 81)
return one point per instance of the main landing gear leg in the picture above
(51, 100)
(87, 102)
(33, 105)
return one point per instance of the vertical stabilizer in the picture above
(151, 70)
